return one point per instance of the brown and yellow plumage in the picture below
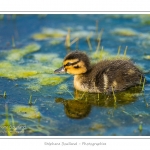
(105, 76)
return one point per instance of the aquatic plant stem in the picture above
(98, 46)
(67, 42)
(30, 100)
(100, 35)
(141, 79)
(119, 49)
(89, 43)
(70, 93)
(125, 51)
(12, 118)
(140, 127)
(99, 40)
(75, 40)
(4, 95)
(7, 123)
(114, 95)
(143, 85)
(82, 95)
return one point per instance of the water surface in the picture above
(34, 101)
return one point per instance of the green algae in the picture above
(50, 59)
(5, 64)
(46, 64)
(1, 16)
(124, 32)
(51, 80)
(55, 33)
(11, 71)
(41, 16)
(103, 55)
(55, 42)
(42, 57)
(146, 22)
(17, 54)
(10, 126)
(145, 19)
(62, 88)
(40, 73)
(4, 94)
(26, 74)
(39, 36)
(38, 129)
(57, 62)
(30, 112)
(48, 33)
(147, 57)
(41, 68)
(98, 127)
(100, 55)
(7, 122)
(33, 86)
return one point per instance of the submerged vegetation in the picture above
(27, 111)
(40, 70)
(17, 54)
(125, 32)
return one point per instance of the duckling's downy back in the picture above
(109, 75)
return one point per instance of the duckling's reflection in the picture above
(81, 105)
(76, 109)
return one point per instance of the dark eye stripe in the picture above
(70, 64)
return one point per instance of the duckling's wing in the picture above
(118, 75)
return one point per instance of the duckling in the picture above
(104, 77)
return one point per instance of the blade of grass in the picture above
(30, 100)
(115, 99)
(4, 95)
(143, 85)
(99, 40)
(89, 43)
(7, 123)
(119, 49)
(75, 40)
(125, 51)
(67, 42)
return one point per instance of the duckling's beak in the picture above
(60, 70)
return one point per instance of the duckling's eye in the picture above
(76, 67)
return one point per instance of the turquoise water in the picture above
(34, 101)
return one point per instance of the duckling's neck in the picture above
(78, 83)
(84, 82)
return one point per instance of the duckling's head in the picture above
(75, 63)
